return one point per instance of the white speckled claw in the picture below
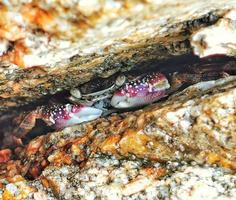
(57, 116)
(67, 115)
(141, 91)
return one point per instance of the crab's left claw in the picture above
(67, 115)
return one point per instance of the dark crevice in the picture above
(213, 65)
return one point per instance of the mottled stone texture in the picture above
(123, 35)
(183, 147)
(127, 155)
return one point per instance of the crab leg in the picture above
(178, 80)
(229, 67)
(26, 123)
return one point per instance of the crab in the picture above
(134, 91)
(120, 92)
(123, 92)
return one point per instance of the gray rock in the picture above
(122, 36)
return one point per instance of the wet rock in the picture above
(43, 58)
(106, 177)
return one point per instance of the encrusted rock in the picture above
(182, 147)
(196, 124)
(43, 52)
(207, 41)
(106, 177)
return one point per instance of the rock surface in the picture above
(206, 41)
(180, 148)
(39, 57)
(126, 156)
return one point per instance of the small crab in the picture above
(130, 91)
(137, 90)
(151, 87)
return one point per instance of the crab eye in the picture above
(76, 93)
(120, 80)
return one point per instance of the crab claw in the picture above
(67, 115)
(142, 91)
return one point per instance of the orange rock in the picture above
(45, 182)
(15, 179)
(155, 172)
(36, 15)
(134, 142)
(60, 158)
(7, 195)
(5, 155)
(110, 144)
(34, 145)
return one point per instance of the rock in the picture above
(105, 177)
(195, 124)
(207, 41)
(182, 147)
(39, 57)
